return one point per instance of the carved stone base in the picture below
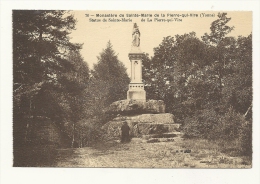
(136, 92)
(136, 95)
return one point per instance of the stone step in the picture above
(152, 128)
(164, 118)
(163, 135)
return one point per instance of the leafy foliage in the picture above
(206, 84)
(50, 76)
(219, 29)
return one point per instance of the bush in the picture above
(231, 130)
(245, 139)
(86, 133)
(229, 125)
(90, 130)
(201, 125)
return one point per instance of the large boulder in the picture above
(144, 124)
(130, 107)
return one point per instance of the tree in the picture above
(237, 91)
(109, 78)
(74, 84)
(176, 60)
(49, 74)
(206, 84)
(219, 29)
(40, 42)
(158, 71)
(217, 38)
(40, 47)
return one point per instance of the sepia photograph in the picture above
(129, 92)
(132, 89)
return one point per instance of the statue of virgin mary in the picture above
(136, 36)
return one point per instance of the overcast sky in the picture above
(95, 35)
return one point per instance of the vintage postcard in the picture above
(132, 89)
(129, 91)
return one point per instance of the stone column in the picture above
(136, 87)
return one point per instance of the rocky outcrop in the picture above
(143, 124)
(130, 107)
(145, 118)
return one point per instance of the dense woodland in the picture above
(205, 82)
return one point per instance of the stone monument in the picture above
(147, 119)
(136, 87)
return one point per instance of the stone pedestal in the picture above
(136, 92)
(145, 118)
(136, 87)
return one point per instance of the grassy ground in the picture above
(139, 154)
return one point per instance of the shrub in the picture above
(231, 130)
(245, 139)
(229, 125)
(84, 133)
(201, 125)
(89, 132)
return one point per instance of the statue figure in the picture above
(136, 36)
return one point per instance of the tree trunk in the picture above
(248, 110)
(28, 123)
(73, 135)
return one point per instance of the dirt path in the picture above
(139, 154)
